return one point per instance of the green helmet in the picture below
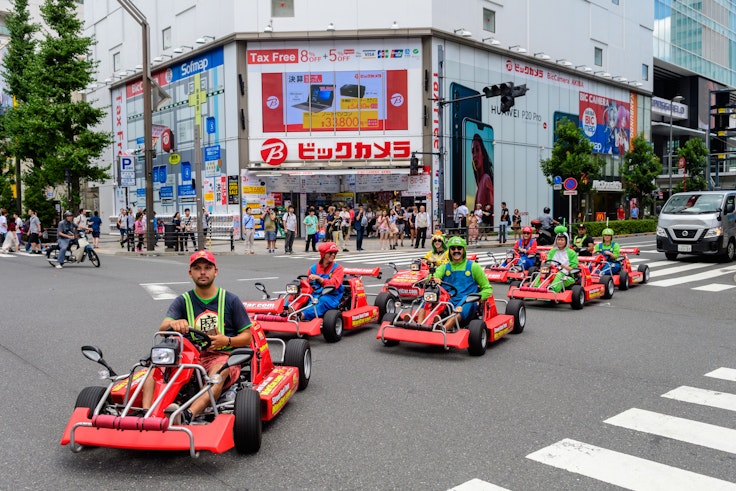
(607, 231)
(560, 229)
(457, 242)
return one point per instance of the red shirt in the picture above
(621, 214)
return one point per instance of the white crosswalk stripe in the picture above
(477, 485)
(633, 472)
(161, 291)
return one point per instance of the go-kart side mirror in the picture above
(95, 354)
(393, 266)
(393, 291)
(327, 290)
(262, 288)
(239, 356)
(472, 298)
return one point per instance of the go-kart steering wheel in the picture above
(201, 339)
(302, 277)
(554, 262)
(449, 286)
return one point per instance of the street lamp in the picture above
(677, 98)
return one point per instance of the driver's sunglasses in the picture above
(526, 233)
(456, 248)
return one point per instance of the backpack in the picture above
(364, 221)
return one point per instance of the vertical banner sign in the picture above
(223, 190)
(186, 171)
(127, 171)
(232, 190)
(212, 164)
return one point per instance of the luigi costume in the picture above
(611, 250)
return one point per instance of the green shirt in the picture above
(311, 222)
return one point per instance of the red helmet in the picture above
(526, 230)
(326, 247)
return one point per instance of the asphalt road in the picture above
(408, 417)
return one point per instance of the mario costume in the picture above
(466, 276)
(611, 251)
(437, 255)
(332, 275)
(526, 247)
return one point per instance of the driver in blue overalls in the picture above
(611, 250)
(466, 277)
(325, 273)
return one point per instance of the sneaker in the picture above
(345, 250)
(58, 266)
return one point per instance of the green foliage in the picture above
(7, 179)
(696, 155)
(34, 197)
(640, 169)
(21, 51)
(622, 227)
(572, 157)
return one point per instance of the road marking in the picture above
(694, 395)
(477, 485)
(686, 430)
(676, 269)
(623, 470)
(693, 277)
(159, 291)
(723, 374)
(714, 287)
(256, 279)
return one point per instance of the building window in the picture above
(116, 62)
(489, 20)
(282, 8)
(644, 71)
(598, 56)
(166, 38)
(615, 2)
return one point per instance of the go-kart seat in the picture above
(346, 295)
(577, 274)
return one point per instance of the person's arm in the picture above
(486, 290)
(616, 251)
(176, 317)
(335, 279)
(532, 249)
(573, 258)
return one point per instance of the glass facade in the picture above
(699, 35)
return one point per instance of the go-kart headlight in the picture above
(544, 270)
(166, 352)
(414, 267)
(430, 296)
(292, 289)
(509, 255)
(713, 232)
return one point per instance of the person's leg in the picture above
(63, 246)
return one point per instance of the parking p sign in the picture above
(127, 171)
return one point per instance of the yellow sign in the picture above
(342, 119)
(254, 190)
(174, 158)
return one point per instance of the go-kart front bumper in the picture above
(457, 339)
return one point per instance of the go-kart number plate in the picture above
(684, 248)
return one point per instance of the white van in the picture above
(698, 222)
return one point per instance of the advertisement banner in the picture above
(232, 190)
(606, 122)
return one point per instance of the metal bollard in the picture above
(232, 241)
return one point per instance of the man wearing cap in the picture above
(323, 274)
(583, 243)
(66, 232)
(218, 313)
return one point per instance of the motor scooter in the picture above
(74, 255)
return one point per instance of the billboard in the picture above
(606, 122)
(334, 100)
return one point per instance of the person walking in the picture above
(400, 223)
(186, 224)
(269, 228)
(3, 224)
(249, 230)
(176, 221)
(205, 221)
(503, 223)
(516, 224)
(359, 224)
(34, 232)
(95, 224)
(383, 226)
(311, 221)
(422, 223)
(345, 227)
(290, 229)
(11, 244)
(139, 228)
(322, 222)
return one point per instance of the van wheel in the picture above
(730, 252)
(670, 255)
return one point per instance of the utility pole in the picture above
(200, 191)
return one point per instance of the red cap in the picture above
(206, 255)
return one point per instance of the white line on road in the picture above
(686, 430)
(694, 277)
(714, 287)
(723, 374)
(694, 395)
(623, 470)
(676, 269)
(477, 485)
(256, 279)
(159, 291)
(169, 283)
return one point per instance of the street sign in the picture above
(557, 187)
(127, 171)
(570, 192)
(174, 158)
(570, 184)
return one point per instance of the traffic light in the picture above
(413, 166)
(507, 97)
(508, 91)
(722, 117)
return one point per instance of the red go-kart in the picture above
(488, 326)
(112, 416)
(352, 312)
(539, 286)
(626, 276)
(513, 270)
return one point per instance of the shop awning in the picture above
(297, 171)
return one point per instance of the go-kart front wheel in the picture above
(332, 326)
(644, 270)
(478, 338)
(390, 318)
(299, 354)
(623, 280)
(578, 296)
(90, 397)
(386, 304)
(608, 282)
(516, 308)
(247, 428)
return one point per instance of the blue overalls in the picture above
(528, 260)
(324, 302)
(611, 266)
(464, 283)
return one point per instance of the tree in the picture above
(35, 196)
(696, 161)
(640, 169)
(572, 156)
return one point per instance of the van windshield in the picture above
(693, 204)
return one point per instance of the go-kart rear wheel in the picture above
(247, 426)
(90, 397)
(478, 338)
(94, 258)
(606, 279)
(644, 270)
(578, 296)
(332, 326)
(517, 308)
(390, 318)
(623, 280)
(299, 354)
(515, 284)
(386, 304)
